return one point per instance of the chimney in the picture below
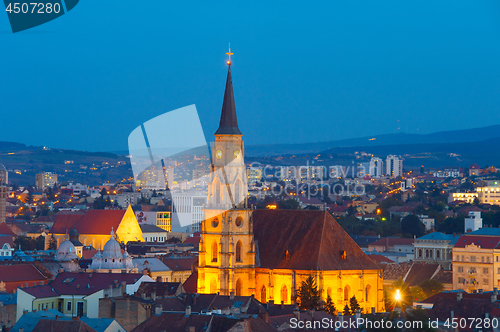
(75, 318)
(296, 312)
(480, 291)
(282, 305)
(124, 287)
(358, 314)
(194, 298)
(153, 296)
(143, 296)
(57, 317)
(373, 310)
(158, 309)
(452, 314)
(460, 295)
(90, 275)
(231, 296)
(493, 298)
(495, 291)
(188, 311)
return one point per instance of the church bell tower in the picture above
(227, 249)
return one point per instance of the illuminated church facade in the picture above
(269, 253)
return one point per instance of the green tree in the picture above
(330, 306)
(52, 243)
(308, 295)
(40, 243)
(289, 204)
(412, 225)
(354, 305)
(431, 287)
(347, 312)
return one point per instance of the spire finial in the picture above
(229, 54)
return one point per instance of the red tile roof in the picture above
(313, 239)
(79, 283)
(487, 242)
(180, 263)
(392, 241)
(5, 230)
(380, 259)
(92, 222)
(16, 276)
(191, 283)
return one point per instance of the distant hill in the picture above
(452, 136)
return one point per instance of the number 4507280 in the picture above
(33, 8)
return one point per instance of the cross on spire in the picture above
(229, 54)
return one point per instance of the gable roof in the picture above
(5, 230)
(92, 222)
(313, 239)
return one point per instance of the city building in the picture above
(393, 166)
(489, 194)
(94, 226)
(152, 178)
(269, 253)
(428, 222)
(473, 222)
(376, 168)
(152, 233)
(45, 180)
(476, 262)
(463, 197)
(187, 211)
(77, 294)
(111, 259)
(435, 247)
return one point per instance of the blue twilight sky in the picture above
(302, 71)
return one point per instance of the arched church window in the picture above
(215, 222)
(215, 252)
(238, 251)
(284, 294)
(347, 289)
(238, 287)
(263, 295)
(239, 221)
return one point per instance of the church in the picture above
(269, 253)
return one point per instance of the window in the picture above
(238, 287)
(460, 269)
(68, 306)
(214, 252)
(485, 281)
(482, 259)
(419, 252)
(463, 260)
(485, 270)
(238, 251)
(263, 296)
(472, 258)
(438, 254)
(472, 270)
(461, 280)
(346, 293)
(488, 259)
(284, 294)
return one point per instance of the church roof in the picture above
(313, 239)
(92, 222)
(228, 123)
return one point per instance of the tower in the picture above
(227, 249)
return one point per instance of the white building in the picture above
(187, 211)
(428, 222)
(394, 166)
(78, 189)
(473, 222)
(376, 168)
(46, 179)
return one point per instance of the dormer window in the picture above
(343, 254)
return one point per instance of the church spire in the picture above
(228, 122)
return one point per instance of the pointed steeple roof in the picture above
(228, 122)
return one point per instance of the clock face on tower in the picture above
(218, 154)
(236, 153)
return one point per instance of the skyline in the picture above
(298, 77)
